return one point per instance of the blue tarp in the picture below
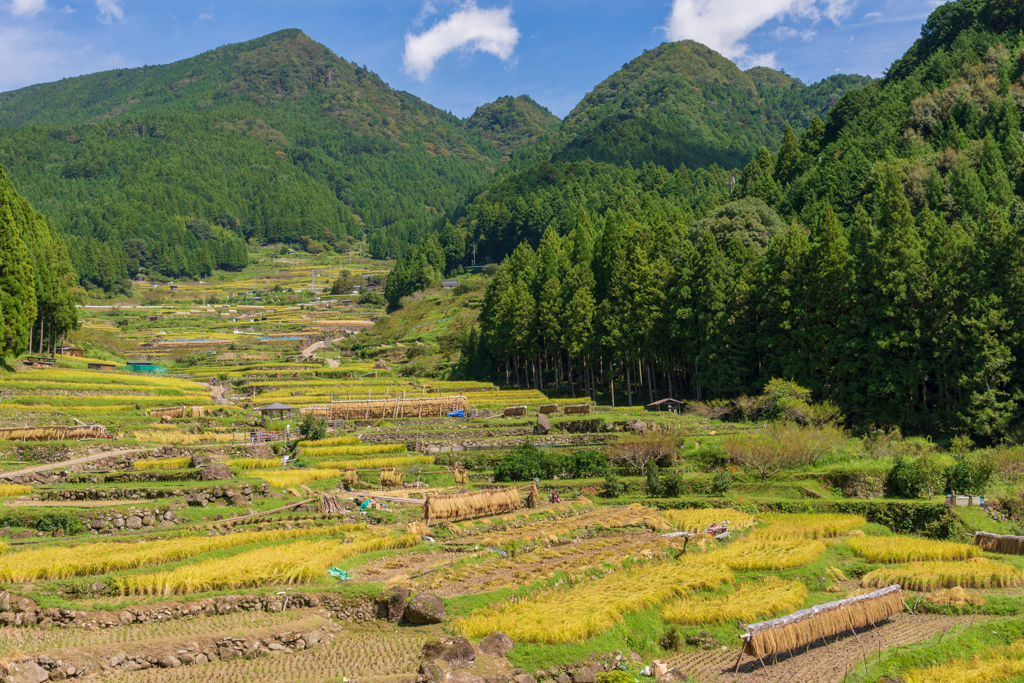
(458, 413)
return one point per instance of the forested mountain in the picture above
(683, 103)
(511, 122)
(38, 288)
(171, 168)
(877, 258)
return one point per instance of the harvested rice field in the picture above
(294, 503)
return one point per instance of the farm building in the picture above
(69, 351)
(146, 368)
(101, 366)
(670, 405)
(280, 409)
(449, 284)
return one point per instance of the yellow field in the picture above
(14, 490)
(284, 479)
(254, 463)
(288, 563)
(753, 554)
(162, 464)
(336, 441)
(897, 549)
(700, 519)
(749, 602)
(977, 572)
(178, 438)
(369, 463)
(99, 558)
(571, 615)
(367, 449)
(806, 525)
(991, 666)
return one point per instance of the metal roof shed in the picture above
(666, 404)
(281, 409)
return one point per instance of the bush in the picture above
(720, 484)
(782, 445)
(903, 480)
(653, 480)
(527, 462)
(69, 522)
(612, 486)
(969, 474)
(372, 299)
(584, 464)
(672, 639)
(672, 485)
(639, 452)
(313, 427)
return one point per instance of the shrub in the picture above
(903, 480)
(671, 639)
(527, 462)
(313, 427)
(64, 520)
(640, 451)
(970, 473)
(781, 445)
(612, 486)
(672, 485)
(586, 463)
(721, 483)
(653, 480)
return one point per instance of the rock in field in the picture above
(424, 609)
(497, 644)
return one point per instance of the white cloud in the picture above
(723, 25)
(110, 10)
(428, 9)
(26, 8)
(205, 16)
(783, 32)
(469, 29)
(68, 9)
(38, 55)
(873, 15)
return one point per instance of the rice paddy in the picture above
(754, 554)
(366, 449)
(162, 464)
(977, 572)
(370, 463)
(698, 519)
(748, 602)
(898, 549)
(806, 525)
(254, 463)
(573, 614)
(334, 441)
(993, 665)
(283, 479)
(7, 490)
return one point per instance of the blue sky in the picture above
(460, 54)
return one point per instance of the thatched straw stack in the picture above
(578, 409)
(461, 475)
(390, 477)
(458, 506)
(548, 409)
(514, 411)
(821, 621)
(996, 543)
(350, 478)
(389, 408)
(533, 500)
(52, 433)
(178, 412)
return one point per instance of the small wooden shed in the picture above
(670, 405)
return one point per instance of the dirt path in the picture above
(99, 455)
(316, 346)
(217, 394)
(820, 664)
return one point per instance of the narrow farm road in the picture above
(98, 455)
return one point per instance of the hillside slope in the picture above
(511, 122)
(276, 139)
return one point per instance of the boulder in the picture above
(673, 676)
(584, 674)
(461, 677)
(199, 460)
(524, 678)
(398, 597)
(26, 672)
(637, 426)
(424, 609)
(543, 425)
(457, 652)
(215, 471)
(497, 644)
(659, 667)
(134, 522)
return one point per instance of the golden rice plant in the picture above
(363, 449)
(284, 479)
(254, 463)
(899, 549)
(373, 463)
(59, 562)
(1000, 663)
(335, 441)
(177, 438)
(14, 490)
(283, 564)
(162, 463)
(752, 554)
(977, 572)
(806, 525)
(749, 602)
(573, 614)
(699, 519)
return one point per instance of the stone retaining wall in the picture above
(239, 495)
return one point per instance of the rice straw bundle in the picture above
(350, 478)
(821, 621)
(757, 599)
(977, 572)
(461, 475)
(390, 477)
(458, 506)
(52, 433)
(533, 500)
(997, 543)
(389, 408)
